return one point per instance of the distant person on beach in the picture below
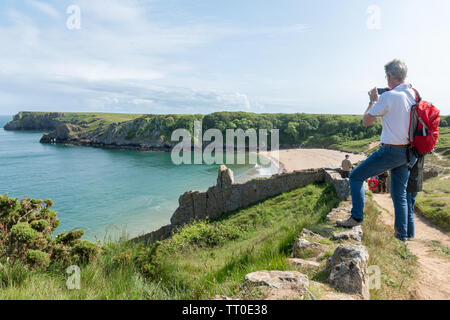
(347, 166)
(393, 107)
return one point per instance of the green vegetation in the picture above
(443, 146)
(398, 265)
(26, 229)
(307, 130)
(342, 132)
(201, 260)
(439, 249)
(434, 202)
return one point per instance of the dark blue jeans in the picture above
(411, 199)
(386, 158)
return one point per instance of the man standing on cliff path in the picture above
(393, 107)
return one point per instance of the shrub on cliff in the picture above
(26, 229)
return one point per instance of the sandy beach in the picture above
(300, 159)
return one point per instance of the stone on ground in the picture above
(303, 263)
(348, 270)
(325, 292)
(281, 285)
(341, 213)
(354, 233)
(308, 233)
(305, 249)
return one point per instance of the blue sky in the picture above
(201, 56)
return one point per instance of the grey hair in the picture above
(397, 70)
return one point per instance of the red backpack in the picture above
(424, 125)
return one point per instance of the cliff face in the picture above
(135, 132)
(124, 135)
(142, 132)
(34, 121)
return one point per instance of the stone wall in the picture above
(227, 196)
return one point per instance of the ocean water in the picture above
(103, 192)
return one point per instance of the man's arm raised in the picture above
(369, 119)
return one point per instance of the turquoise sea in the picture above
(103, 192)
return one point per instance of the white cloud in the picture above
(45, 8)
(120, 59)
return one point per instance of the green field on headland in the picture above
(344, 132)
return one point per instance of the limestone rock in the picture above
(304, 263)
(348, 270)
(66, 131)
(341, 185)
(339, 214)
(430, 172)
(280, 285)
(276, 279)
(325, 292)
(355, 233)
(32, 121)
(185, 211)
(303, 248)
(308, 233)
(225, 178)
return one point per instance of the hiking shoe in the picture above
(349, 223)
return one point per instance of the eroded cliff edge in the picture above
(35, 121)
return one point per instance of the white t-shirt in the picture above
(394, 108)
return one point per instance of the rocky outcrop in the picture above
(430, 172)
(281, 285)
(138, 132)
(303, 263)
(34, 121)
(355, 233)
(348, 270)
(158, 235)
(308, 233)
(276, 279)
(304, 249)
(64, 132)
(340, 184)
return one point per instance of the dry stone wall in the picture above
(227, 196)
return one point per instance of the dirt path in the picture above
(434, 270)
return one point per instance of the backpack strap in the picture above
(418, 97)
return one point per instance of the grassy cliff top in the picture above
(343, 132)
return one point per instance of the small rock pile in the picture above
(347, 267)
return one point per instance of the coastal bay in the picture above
(104, 192)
